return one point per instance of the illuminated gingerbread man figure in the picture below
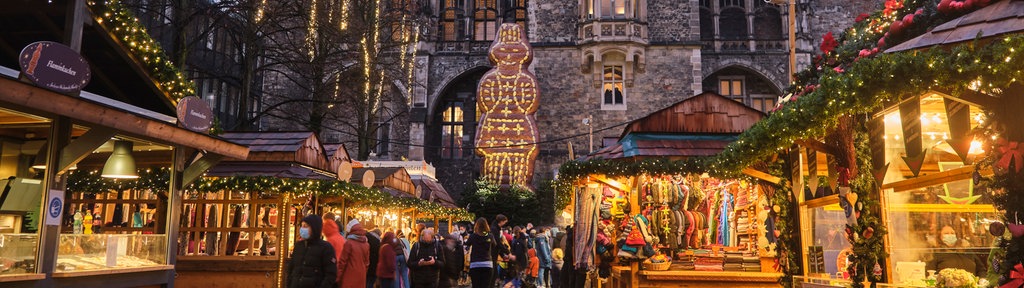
(507, 100)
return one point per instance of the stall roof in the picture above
(268, 169)
(115, 74)
(300, 147)
(705, 113)
(701, 125)
(1000, 18)
(433, 191)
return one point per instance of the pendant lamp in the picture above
(120, 165)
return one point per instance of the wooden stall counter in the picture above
(694, 279)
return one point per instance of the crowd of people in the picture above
(482, 255)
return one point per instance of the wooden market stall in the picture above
(931, 153)
(712, 229)
(243, 232)
(107, 110)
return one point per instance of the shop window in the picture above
(21, 190)
(938, 227)
(230, 223)
(732, 23)
(731, 87)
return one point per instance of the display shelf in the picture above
(723, 276)
(22, 277)
(112, 271)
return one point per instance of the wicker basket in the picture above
(648, 265)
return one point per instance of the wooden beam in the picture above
(961, 173)
(817, 146)
(971, 97)
(35, 98)
(197, 168)
(611, 182)
(83, 146)
(761, 175)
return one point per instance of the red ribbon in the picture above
(1011, 151)
(844, 176)
(1017, 276)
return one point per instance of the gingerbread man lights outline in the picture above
(507, 98)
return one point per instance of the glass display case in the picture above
(84, 252)
(938, 227)
(829, 248)
(18, 253)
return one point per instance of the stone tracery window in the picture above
(485, 20)
(732, 23)
(452, 25)
(613, 76)
(768, 23)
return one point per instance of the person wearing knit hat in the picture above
(355, 258)
(313, 263)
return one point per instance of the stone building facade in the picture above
(657, 52)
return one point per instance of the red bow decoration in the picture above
(1011, 151)
(1016, 276)
(844, 176)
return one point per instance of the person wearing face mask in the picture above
(953, 253)
(313, 263)
(454, 262)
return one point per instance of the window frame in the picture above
(620, 82)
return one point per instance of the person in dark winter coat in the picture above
(313, 263)
(426, 261)
(520, 247)
(454, 262)
(480, 246)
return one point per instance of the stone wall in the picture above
(671, 21)
(553, 21)
(773, 66)
(834, 16)
(568, 96)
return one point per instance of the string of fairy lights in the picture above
(131, 34)
(80, 181)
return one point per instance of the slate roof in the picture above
(432, 189)
(1003, 17)
(270, 169)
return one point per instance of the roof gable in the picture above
(301, 147)
(707, 112)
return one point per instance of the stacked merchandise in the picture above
(743, 230)
(733, 261)
(709, 263)
(684, 263)
(751, 263)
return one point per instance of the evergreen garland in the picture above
(158, 181)
(118, 19)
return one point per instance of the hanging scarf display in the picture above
(586, 227)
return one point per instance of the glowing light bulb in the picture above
(896, 136)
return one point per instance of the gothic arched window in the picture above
(732, 23)
(768, 23)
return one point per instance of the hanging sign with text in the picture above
(53, 66)
(195, 114)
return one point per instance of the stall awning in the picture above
(128, 122)
(1000, 18)
(268, 169)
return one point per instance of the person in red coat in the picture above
(334, 237)
(534, 266)
(355, 259)
(386, 265)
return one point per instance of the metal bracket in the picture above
(83, 146)
(197, 168)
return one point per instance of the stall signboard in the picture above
(53, 66)
(195, 114)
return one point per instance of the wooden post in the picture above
(634, 206)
